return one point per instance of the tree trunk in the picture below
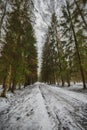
(4, 82)
(13, 85)
(77, 50)
(62, 82)
(19, 86)
(2, 18)
(7, 83)
(68, 81)
(10, 87)
(81, 14)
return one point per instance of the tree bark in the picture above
(77, 49)
(2, 18)
(13, 86)
(4, 82)
(68, 81)
(7, 82)
(62, 82)
(81, 14)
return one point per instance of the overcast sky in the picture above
(43, 10)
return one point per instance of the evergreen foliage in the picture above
(69, 49)
(19, 49)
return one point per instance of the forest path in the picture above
(43, 107)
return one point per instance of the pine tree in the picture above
(53, 55)
(3, 11)
(81, 11)
(71, 21)
(19, 50)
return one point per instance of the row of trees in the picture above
(18, 56)
(65, 50)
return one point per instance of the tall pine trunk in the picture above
(77, 49)
(81, 14)
(13, 85)
(7, 82)
(3, 16)
(68, 82)
(63, 83)
(4, 82)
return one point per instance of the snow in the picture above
(44, 107)
(76, 88)
(65, 107)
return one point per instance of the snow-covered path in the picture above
(42, 107)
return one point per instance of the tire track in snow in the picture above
(70, 119)
(54, 121)
(42, 108)
(80, 108)
(28, 112)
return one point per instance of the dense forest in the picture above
(64, 57)
(64, 54)
(43, 64)
(18, 53)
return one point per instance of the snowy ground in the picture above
(43, 107)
